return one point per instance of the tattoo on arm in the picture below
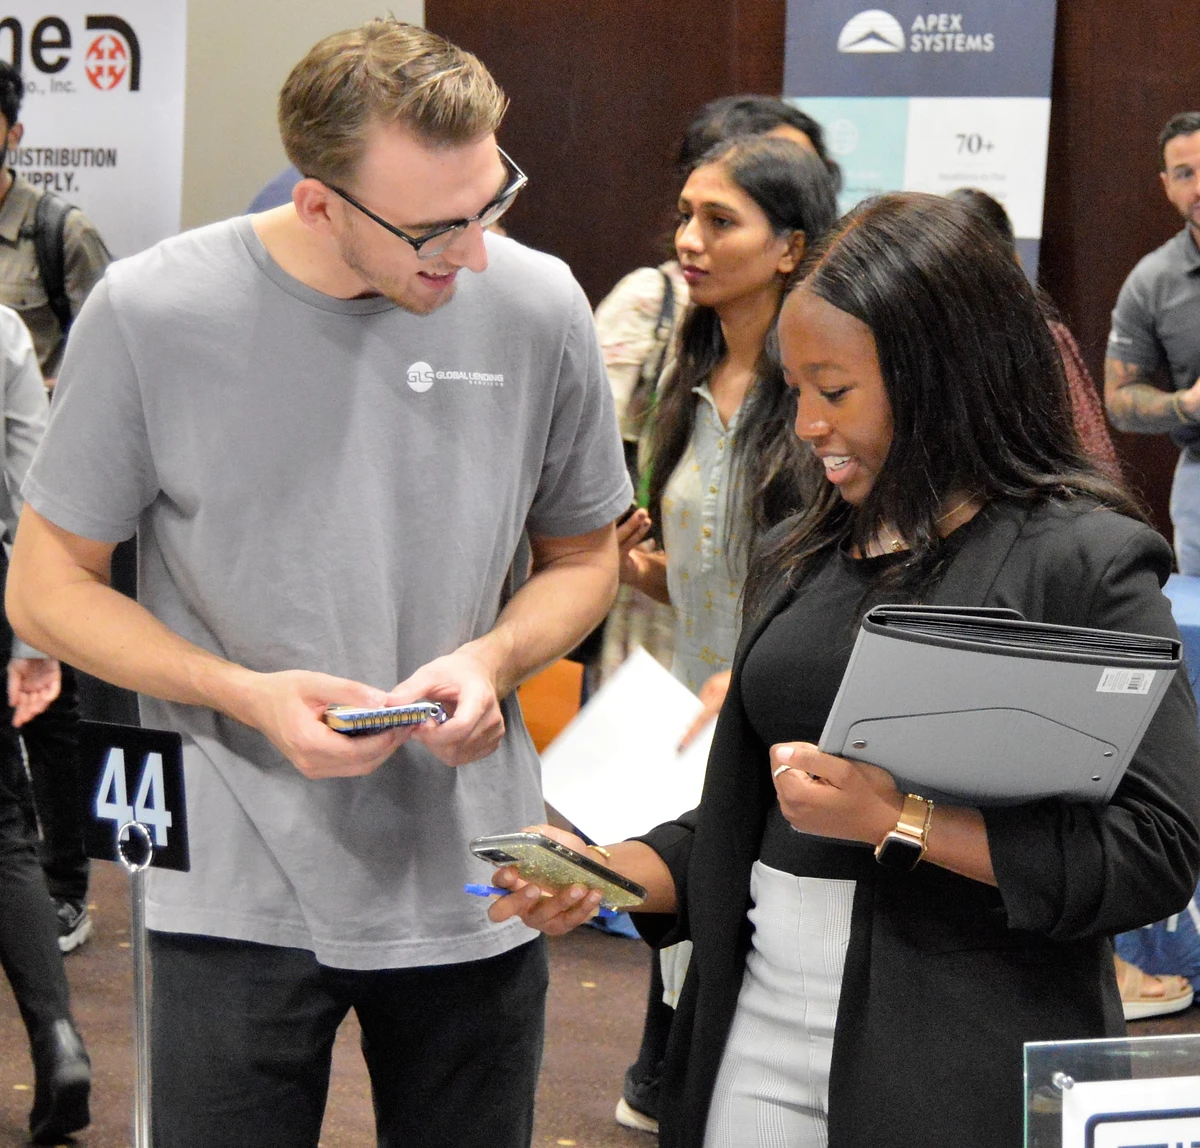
(1134, 403)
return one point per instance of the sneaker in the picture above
(74, 924)
(638, 1106)
(629, 1117)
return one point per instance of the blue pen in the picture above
(493, 891)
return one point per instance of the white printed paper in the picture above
(1123, 681)
(615, 771)
(997, 145)
(1163, 1112)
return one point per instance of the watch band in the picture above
(915, 817)
(904, 846)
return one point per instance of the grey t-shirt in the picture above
(333, 485)
(1156, 322)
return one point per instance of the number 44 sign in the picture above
(120, 762)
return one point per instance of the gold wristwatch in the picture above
(905, 845)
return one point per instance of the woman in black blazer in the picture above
(868, 966)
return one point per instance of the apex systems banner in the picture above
(103, 110)
(919, 100)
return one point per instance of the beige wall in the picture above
(239, 53)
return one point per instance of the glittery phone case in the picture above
(545, 862)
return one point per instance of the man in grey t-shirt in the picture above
(330, 438)
(1156, 337)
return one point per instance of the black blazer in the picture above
(946, 978)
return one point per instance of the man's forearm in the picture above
(561, 603)
(58, 591)
(101, 631)
(1135, 404)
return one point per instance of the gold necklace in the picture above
(954, 509)
(896, 543)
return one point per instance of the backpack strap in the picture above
(664, 328)
(646, 390)
(49, 227)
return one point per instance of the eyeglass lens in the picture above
(438, 243)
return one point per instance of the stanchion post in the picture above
(115, 762)
(136, 850)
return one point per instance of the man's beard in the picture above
(404, 295)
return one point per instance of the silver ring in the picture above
(782, 769)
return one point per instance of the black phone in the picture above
(543, 861)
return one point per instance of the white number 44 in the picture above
(150, 803)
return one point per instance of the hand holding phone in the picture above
(542, 861)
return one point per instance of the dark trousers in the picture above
(243, 1034)
(28, 927)
(52, 743)
(656, 1031)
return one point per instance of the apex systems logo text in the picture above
(878, 31)
(112, 54)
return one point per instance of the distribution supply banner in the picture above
(103, 110)
(918, 100)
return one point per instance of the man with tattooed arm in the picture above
(1156, 337)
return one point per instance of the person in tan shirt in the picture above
(84, 253)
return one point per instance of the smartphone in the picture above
(626, 514)
(373, 719)
(543, 861)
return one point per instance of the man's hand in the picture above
(466, 688)
(33, 683)
(288, 708)
(1189, 401)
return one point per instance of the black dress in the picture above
(787, 687)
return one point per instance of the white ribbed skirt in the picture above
(772, 1090)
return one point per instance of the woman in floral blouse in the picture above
(719, 459)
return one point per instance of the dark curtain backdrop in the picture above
(602, 89)
(1120, 72)
(600, 92)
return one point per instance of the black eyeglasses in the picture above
(433, 243)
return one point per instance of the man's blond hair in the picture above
(383, 72)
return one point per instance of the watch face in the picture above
(899, 852)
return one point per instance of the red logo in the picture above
(107, 62)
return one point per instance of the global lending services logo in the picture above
(421, 376)
(872, 31)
